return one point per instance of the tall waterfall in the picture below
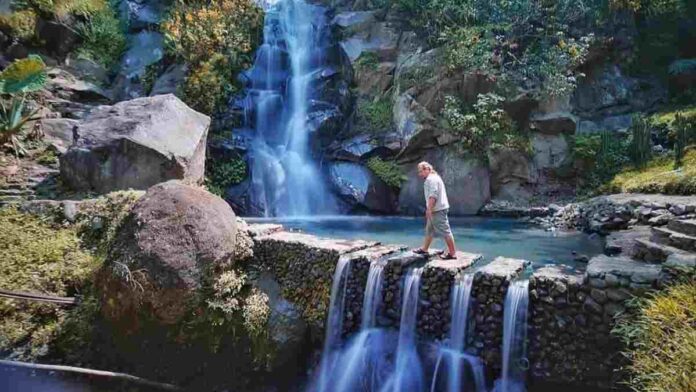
(456, 361)
(514, 338)
(284, 178)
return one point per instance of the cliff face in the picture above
(492, 132)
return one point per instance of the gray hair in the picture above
(426, 165)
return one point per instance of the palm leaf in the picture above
(23, 76)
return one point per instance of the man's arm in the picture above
(431, 205)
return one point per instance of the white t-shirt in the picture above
(434, 187)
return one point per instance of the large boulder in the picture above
(174, 239)
(136, 144)
(511, 173)
(466, 179)
(361, 189)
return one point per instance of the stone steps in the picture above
(687, 227)
(652, 252)
(672, 238)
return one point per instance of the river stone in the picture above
(174, 239)
(136, 144)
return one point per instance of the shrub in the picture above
(216, 39)
(485, 125)
(367, 60)
(103, 37)
(469, 48)
(20, 24)
(684, 134)
(598, 158)
(387, 171)
(641, 142)
(375, 116)
(223, 173)
(37, 257)
(661, 340)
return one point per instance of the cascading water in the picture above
(408, 371)
(373, 294)
(457, 361)
(514, 338)
(284, 179)
(334, 323)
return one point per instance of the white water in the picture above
(334, 324)
(373, 294)
(515, 363)
(457, 362)
(408, 370)
(285, 179)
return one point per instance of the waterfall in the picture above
(284, 179)
(373, 294)
(514, 338)
(457, 361)
(408, 371)
(334, 323)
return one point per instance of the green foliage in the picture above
(684, 135)
(387, 171)
(469, 48)
(658, 176)
(660, 336)
(367, 60)
(103, 37)
(640, 149)
(216, 39)
(38, 257)
(375, 116)
(223, 173)
(598, 158)
(20, 24)
(23, 76)
(18, 79)
(485, 125)
(415, 76)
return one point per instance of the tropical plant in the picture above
(684, 134)
(19, 78)
(641, 144)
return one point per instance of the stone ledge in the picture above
(601, 267)
(320, 243)
(263, 229)
(504, 267)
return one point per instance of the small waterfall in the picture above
(280, 89)
(514, 338)
(373, 294)
(457, 361)
(334, 323)
(408, 371)
(362, 364)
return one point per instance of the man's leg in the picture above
(449, 240)
(427, 241)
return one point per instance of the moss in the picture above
(98, 220)
(661, 340)
(38, 257)
(374, 116)
(367, 60)
(659, 176)
(387, 171)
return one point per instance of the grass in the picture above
(659, 176)
(37, 256)
(661, 338)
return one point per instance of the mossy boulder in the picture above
(167, 251)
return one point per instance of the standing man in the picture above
(437, 206)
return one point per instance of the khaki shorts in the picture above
(438, 225)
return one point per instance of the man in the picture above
(437, 206)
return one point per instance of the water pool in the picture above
(489, 236)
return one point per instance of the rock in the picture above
(660, 220)
(380, 39)
(554, 123)
(354, 21)
(678, 209)
(550, 151)
(511, 170)
(59, 39)
(361, 189)
(142, 14)
(87, 70)
(136, 144)
(466, 180)
(174, 239)
(58, 132)
(620, 123)
(64, 85)
(375, 79)
(170, 80)
(598, 295)
(144, 48)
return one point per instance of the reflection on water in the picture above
(489, 236)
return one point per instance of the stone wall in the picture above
(571, 313)
(488, 297)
